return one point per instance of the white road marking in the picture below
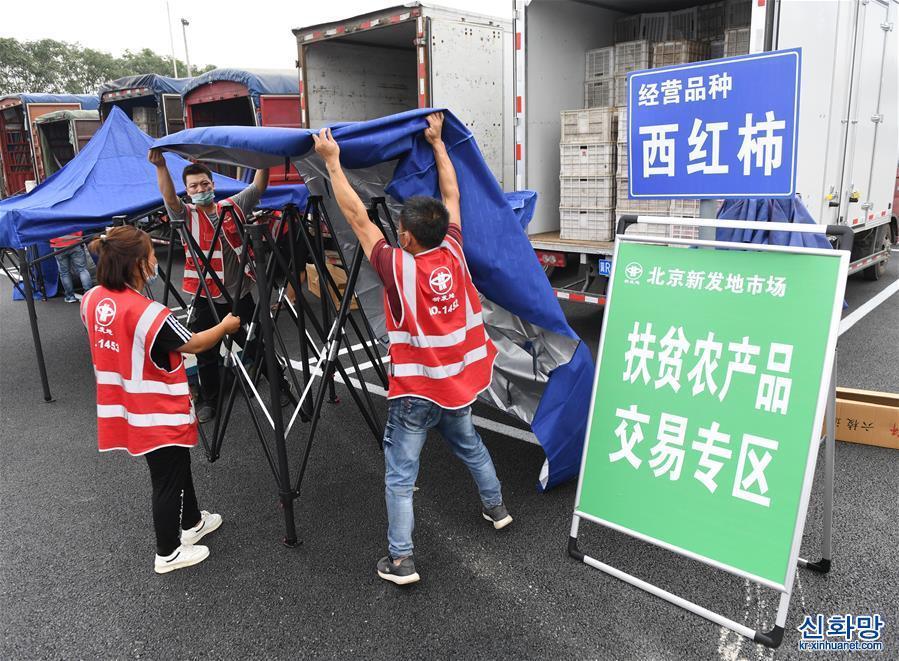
(860, 313)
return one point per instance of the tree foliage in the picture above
(57, 67)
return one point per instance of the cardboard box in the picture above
(339, 276)
(868, 417)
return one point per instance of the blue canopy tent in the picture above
(544, 372)
(109, 178)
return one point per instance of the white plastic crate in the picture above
(600, 63)
(710, 21)
(684, 231)
(587, 192)
(666, 53)
(684, 208)
(654, 26)
(589, 160)
(621, 90)
(589, 125)
(647, 207)
(599, 93)
(682, 24)
(737, 14)
(736, 42)
(716, 49)
(587, 224)
(627, 28)
(622, 126)
(621, 170)
(632, 56)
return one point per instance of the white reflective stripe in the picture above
(426, 341)
(442, 371)
(456, 249)
(145, 419)
(141, 387)
(85, 301)
(409, 289)
(138, 344)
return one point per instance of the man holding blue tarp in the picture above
(440, 355)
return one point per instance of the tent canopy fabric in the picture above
(502, 261)
(87, 101)
(109, 177)
(67, 116)
(159, 84)
(257, 81)
(775, 210)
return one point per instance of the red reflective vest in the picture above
(140, 407)
(201, 228)
(439, 349)
(66, 240)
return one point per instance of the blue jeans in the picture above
(73, 260)
(408, 422)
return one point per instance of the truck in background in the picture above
(62, 134)
(412, 56)
(153, 102)
(20, 148)
(245, 97)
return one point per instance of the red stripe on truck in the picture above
(518, 152)
(517, 41)
(518, 104)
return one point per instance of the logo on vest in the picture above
(105, 312)
(441, 280)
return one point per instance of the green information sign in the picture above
(709, 400)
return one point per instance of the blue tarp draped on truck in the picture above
(109, 177)
(88, 102)
(159, 84)
(257, 81)
(502, 261)
(773, 211)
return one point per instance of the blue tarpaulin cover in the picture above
(109, 177)
(769, 210)
(257, 81)
(159, 84)
(502, 261)
(87, 101)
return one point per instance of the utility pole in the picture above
(168, 15)
(184, 24)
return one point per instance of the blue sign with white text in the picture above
(718, 129)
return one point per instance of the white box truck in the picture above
(412, 56)
(848, 105)
(510, 80)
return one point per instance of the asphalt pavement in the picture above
(76, 577)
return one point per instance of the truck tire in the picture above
(882, 242)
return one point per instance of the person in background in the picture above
(71, 261)
(143, 400)
(440, 355)
(201, 216)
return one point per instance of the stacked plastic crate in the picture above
(587, 176)
(737, 16)
(599, 91)
(629, 56)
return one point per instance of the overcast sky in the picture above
(246, 34)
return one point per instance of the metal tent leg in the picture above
(25, 272)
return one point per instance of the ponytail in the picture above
(122, 251)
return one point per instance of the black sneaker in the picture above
(498, 516)
(205, 412)
(402, 574)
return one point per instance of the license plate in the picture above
(605, 267)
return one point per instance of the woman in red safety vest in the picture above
(440, 355)
(143, 399)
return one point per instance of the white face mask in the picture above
(154, 275)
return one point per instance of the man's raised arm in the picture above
(347, 199)
(164, 180)
(446, 173)
(260, 180)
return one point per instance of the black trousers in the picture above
(174, 501)
(208, 361)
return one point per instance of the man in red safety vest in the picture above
(440, 355)
(201, 215)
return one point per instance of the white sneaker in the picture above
(184, 556)
(208, 523)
